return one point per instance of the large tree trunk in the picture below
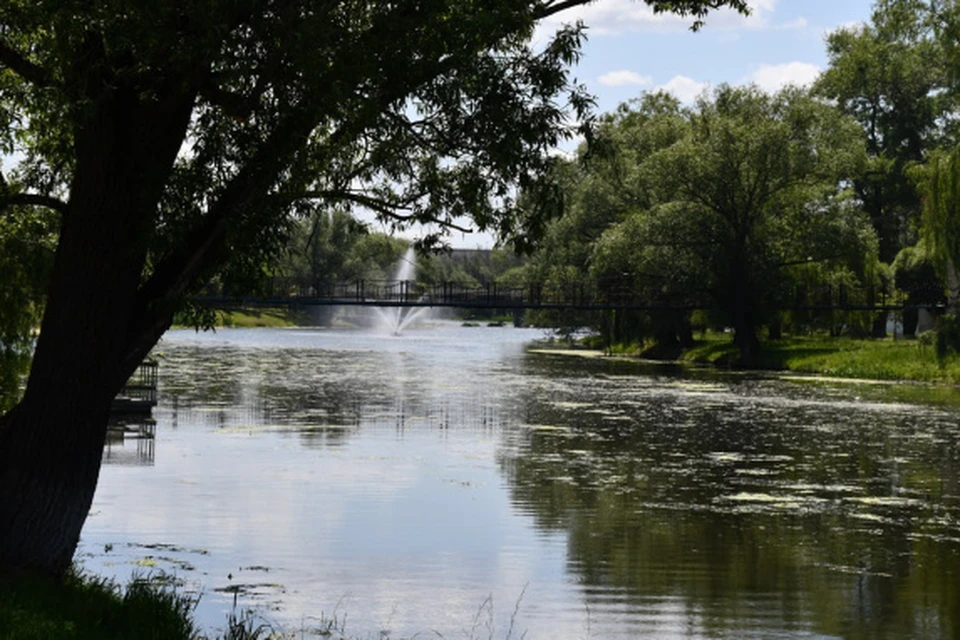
(953, 287)
(745, 337)
(742, 308)
(686, 330)
(51, 443)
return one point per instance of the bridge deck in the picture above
(572, 296)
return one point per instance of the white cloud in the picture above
(852, 25)
(624, 16)
(773, 77)
(683, 88)
(622, 78)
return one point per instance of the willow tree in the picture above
(939, 182)
(26, 256)
(760, 176)
(175, 140)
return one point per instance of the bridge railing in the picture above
(583, 294)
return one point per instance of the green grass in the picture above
(80, 607)
(269, 318)
(886, 359)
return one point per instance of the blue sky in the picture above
(630, 50)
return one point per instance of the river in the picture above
(452, 482)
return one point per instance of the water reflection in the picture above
(762, 507)
(130, 441)
(407, 479)
(323, 396)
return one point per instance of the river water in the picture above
(451, 482)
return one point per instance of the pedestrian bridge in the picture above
(571, 296)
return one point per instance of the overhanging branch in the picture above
(29, 71)
(34, 200)
(697, 8)
(548, 9)
(385, 208)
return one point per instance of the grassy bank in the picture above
(79, 607)
(886, 359)
(272, 317)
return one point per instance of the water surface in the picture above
(449, 481)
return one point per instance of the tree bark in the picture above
(878, 328)
(742, 307)
(745, 337)
(953, 287)
(775, 328)
(51, 443)
(686, 331)
(911, 318)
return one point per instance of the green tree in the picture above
(939, 181)
(889, 75)
(599, 189)
(759, 173)
(177, 139)
(636, 132)
(730, 203)
(916, 276)
(328, 248)
(27, 239)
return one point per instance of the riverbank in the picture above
(85, 607)
(868, 359)
(79, 607)
(251, 318)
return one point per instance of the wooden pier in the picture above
(139, 395)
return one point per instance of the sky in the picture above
(630, 50)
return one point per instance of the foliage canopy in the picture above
(732, 201)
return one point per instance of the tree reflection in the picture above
(322, 397)
(761, 511)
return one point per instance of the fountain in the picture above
(397, 319)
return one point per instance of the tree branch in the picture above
(235, 105)
(34, 200)
(29, 71)
(205, 248)
(794, 263)
(387, 209)
(444, 223)
(556, 6)
(697, 8)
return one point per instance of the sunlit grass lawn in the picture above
(249, 318)
(877, 359)
(269, 318)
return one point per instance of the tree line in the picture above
(745, 197)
